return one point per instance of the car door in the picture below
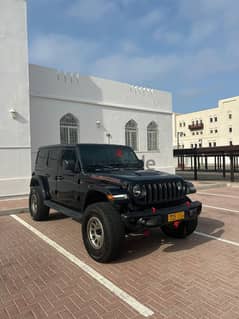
(68, 179)
(52, 171)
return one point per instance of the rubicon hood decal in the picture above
(106, 178)
(131, 176)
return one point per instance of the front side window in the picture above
(152, 136)
(69, 127)
(68, 160)
(131, 134)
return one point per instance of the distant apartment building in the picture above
(208, 128)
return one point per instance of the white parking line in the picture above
(218, 195)
(234, 243)
(131, 301)
(221, 208)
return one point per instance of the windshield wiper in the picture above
(99, 167)
(125, 165)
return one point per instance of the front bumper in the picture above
(158, 217)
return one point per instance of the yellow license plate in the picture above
(175, 216)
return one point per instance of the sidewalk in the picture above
(13, 205)
(213, 184)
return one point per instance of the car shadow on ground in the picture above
(56, 215)
(138, 247)
(209, 226)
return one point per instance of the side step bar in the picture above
(64, 210)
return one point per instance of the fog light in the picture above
(154, 210)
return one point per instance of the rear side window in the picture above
(41, 160)
(52, 159)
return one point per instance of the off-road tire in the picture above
(37, 208)
(185, 229)
(109, 220)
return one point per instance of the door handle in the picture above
(59, 178)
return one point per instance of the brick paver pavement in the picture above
(37, 282)
(192, 278)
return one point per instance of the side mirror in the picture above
(69, 165)
(141, 164)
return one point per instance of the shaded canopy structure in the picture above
(199, 159)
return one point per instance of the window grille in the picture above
(131, 134)
(152, 136)
(69, 127)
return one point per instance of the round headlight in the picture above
(139, 191)
(179, 186)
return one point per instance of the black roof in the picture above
(79, 144)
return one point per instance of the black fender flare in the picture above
(101, 194)
(40, 181)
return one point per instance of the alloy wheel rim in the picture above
(95, 232)
(34, 203)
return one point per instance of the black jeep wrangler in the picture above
(107, 188)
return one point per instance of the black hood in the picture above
(135, 176)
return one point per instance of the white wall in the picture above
(15, 152)
(92, 99)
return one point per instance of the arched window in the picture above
(69, 129)
(131, 133)
(152, 136)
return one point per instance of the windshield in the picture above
(101, 157)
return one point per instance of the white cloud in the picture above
(71, 54)
(126, 3)
(134, 69)
(150, 19)
(62, 51)
(89, 10)
(168, 37)
(190, 92)
(129, 47)
(207, 45)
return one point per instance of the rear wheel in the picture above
(37, 208)
(102, 232)
(183, 230)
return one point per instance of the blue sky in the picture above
(188, 47)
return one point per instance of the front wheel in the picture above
(102, 232)
(184, 229)
(37, 208)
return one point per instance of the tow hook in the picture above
(176, 224)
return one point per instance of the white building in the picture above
(48, 107)
(208, 128)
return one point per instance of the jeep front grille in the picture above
(163, 192)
